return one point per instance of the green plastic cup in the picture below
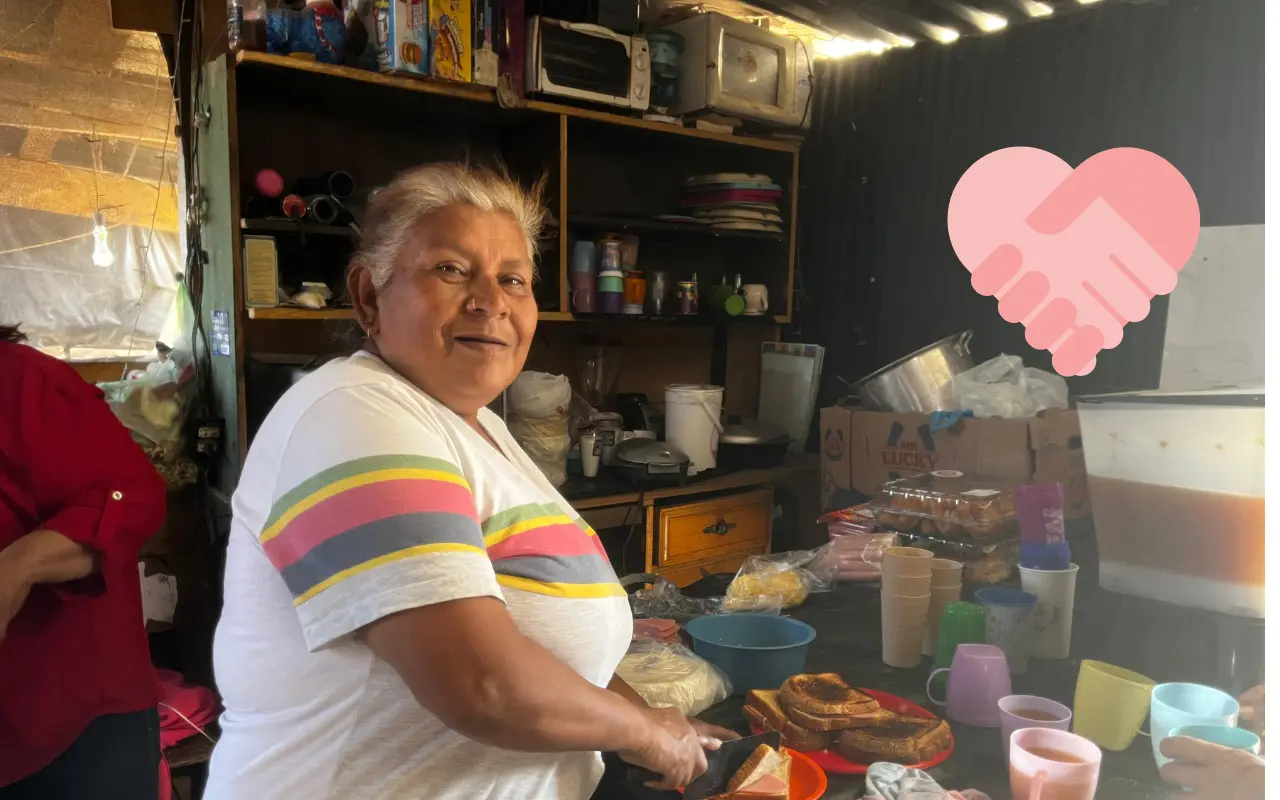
(962, 623)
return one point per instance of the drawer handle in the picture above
(720, 528)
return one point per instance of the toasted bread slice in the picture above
(825, 694)
(766, 775)
(793, 735)
(902, 739)
(823, 722)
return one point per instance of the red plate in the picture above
(832, 761)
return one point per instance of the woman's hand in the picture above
(1205, 770)
(1252, 709)
(15, 585)
(674, 749)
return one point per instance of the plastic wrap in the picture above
(947, 502)
(781, 580)
(1002, 387)
(984, 562)
(670, 675)
(663, 600)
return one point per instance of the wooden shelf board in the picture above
(484, 95)
(665, 226)
(734, 480)
(289, 226)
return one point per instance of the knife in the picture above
(721, 765)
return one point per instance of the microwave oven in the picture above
(586, 62)
(740, 70)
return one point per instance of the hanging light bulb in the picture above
(102, 256)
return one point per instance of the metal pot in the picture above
(751, 444)
(920, 382)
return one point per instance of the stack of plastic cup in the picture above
(943, 589)
(582, 276)
(906, 577)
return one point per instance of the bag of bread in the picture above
(985, 562)
(947, 502)
(781, 580)
(671, 675)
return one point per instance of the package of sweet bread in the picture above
(947, 502)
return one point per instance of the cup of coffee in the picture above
(1018, 711)
(1225, 735)
(1048, 764)
(979, 677)
(1175, 705)
(1110, 704)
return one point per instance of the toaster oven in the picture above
(586, 62)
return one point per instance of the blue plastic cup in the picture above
(1177, 705)
(1225, 735)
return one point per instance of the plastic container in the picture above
(1176, 483)
(984, 562)
(948, 502)
(693, 422)
(756, 651)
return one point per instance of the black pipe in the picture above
(336, 183)
(321, 208)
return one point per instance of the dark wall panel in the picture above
(893, 134)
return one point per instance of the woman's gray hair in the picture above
(395, 209)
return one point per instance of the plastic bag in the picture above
(671, 676)
(663, 600)
(984, 562)
(781, 580)
(539, 420)
(1002, 387)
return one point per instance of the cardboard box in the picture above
(451, 45)
(399, 31)
(863, 449)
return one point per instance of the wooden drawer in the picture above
(684, 575)
(735, 524)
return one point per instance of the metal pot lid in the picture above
(647, 452)
(958, 340)
(751, 431)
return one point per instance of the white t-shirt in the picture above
(361, 497)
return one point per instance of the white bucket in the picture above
(693, 422)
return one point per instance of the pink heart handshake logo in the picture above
(1074, 255)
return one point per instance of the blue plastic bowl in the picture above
(756, 651)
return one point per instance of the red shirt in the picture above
(76, 650)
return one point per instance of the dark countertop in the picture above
(1160, 641)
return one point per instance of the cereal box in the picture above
(398, 31)
(451, 45)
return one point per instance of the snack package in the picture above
(781, 580)
(670, 675)
(947, 502)
(854, 519)
(986, 562)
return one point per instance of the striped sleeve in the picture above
(378, 517)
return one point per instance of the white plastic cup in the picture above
(1055, 591)
(589, 453)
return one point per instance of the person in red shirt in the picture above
(78, 498)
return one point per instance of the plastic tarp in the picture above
(73, 309)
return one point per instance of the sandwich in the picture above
(824, 695)
(766, 775)
(838, 722)
(764, 711)
(901, 739)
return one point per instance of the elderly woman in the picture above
(411, 610)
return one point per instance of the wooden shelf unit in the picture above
(302, 117)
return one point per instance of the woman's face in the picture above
(457, 315)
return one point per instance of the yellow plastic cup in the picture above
(1111, 704)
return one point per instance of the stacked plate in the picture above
(734, 201)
